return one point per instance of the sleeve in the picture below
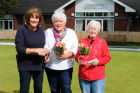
(47, 39)
(19, 41)
(74, 43)
(105, 54)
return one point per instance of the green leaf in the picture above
(6, 6)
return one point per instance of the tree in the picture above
(6, 6)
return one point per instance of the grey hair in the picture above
(59, 14)
(94, 23)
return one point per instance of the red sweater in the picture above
(99, 50)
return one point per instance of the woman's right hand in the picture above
(39, 51)
(42, 51)
(83, 60)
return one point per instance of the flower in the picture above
(83, 49)
(59, 48)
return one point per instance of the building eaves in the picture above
(127, 7)
(135, 4)
(65, 5)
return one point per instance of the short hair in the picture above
(33, 12)
(59, 14)
(94, 23)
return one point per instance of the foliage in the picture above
(59, 49)
(6, 6)
(84, 50)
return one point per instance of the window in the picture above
(111, 14)
(1, 24)
(80, 14)
(105, 18)
(105, 25)
(11, 25)
(80, 25)
(108, 25)
(98, 14)
(9, 17)
(90, 14)
(105, 14)
(7, 23)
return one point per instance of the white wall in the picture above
(94, 6)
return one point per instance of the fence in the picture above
(116, 36)
(7, 34)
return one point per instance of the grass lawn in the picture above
(7, 40)
(122, 73)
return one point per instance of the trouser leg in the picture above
(25, 77)
(38, 81)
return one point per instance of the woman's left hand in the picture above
(63, 56)
(66, 55)
(95, 63)
(47, 59)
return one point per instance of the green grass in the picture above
(109, 43)
(7, 40)
(123, 44)
(122, 73)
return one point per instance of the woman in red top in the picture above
(92, 77)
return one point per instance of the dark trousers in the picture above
(59, 80)
(25, 78)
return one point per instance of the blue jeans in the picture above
(96, 86)
(59, 80)
(25, 78)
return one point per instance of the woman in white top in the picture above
(59, 68)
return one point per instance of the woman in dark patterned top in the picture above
(30, 41)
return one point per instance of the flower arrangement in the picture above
(59, 48)
(84, 50)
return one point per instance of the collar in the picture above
(89, 39)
